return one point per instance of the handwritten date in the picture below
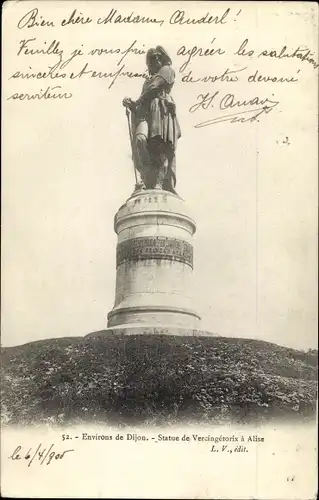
(40, 454)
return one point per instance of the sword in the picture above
(127, 112)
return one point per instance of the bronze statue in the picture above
(155, 128)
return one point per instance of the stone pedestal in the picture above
(154, 262)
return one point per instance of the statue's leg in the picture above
(170, 179)
(160, 162)
(142, 153)
(162, 171)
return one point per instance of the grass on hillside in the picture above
(162, 379)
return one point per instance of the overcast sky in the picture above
(251, 187)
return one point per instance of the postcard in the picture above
(159, 249)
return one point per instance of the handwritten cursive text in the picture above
(40, 454)
(257, 104)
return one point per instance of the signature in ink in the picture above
(236, 117)
(230, 102)
(40, 454)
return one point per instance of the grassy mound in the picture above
(156, 379)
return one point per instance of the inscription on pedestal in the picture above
(156, 247)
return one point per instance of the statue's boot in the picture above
(139, 185)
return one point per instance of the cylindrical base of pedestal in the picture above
(156, 316)
(154, 262)
(142, 329)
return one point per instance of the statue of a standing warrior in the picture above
(155, 128)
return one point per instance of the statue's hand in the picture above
(128, 103)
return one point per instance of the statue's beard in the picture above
(154, 68)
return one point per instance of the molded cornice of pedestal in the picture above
(154, 207)
(177, 315)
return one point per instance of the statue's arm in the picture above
(154, 88)
(161, 80)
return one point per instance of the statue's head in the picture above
(156, 58)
